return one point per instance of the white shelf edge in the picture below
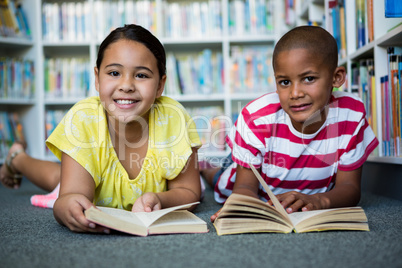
(62, 43)
(368, 48)
(197, 97)
(17, 41)
(394, 34)
(63, 101)
(15, 101)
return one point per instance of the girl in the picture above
(130, 147)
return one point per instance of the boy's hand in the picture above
(295, 201)
(146, 203)
(69, 211)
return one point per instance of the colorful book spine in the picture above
(360, 23)
(251, 69)
(16, 78)
(194, 73)
(192, 19)
(67, 77)
(11, 130)
(67, 21)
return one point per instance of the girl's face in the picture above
(304, 84)
(128, 81)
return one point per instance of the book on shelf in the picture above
(360, 23)
(16, 78)
(370, 20)
(172, 220)
(66, 21)
(393, 8)
(66, 77)
(391, 97)
(251, 69)
(251, 17)
(11, 130)
(245, 214)
(194, 73)
(192, 18)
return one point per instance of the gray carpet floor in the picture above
(30, 237)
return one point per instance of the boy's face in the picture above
(304, 84)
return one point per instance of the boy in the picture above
(308, 143)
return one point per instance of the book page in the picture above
(122, 215)
(271, 195)
(297, 217)
(147, 218)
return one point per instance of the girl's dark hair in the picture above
(138, 34)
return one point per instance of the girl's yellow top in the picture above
(83, 135)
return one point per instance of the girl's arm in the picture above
(345, 193)
(77, 189)
(185, 188)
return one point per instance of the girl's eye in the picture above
(142, 76)
(114, 73)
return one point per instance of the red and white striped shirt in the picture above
(264, 136)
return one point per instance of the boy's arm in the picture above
(246, 183)
(77, 190)
(345, 193)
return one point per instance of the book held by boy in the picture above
(165, 221)
(245, 214)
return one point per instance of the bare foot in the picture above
(9, 176)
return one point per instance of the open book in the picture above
(245, 214)
(165, 221)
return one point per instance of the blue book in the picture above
(393, 8)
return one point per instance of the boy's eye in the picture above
(309, 78)
(284, 82)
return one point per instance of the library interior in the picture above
(218, 59)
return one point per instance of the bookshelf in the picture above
(225, 35)
(386, 32)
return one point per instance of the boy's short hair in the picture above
(314, 38)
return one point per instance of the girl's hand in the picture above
(295, 201)
(69, 211)
(147, 202)
(213, 217)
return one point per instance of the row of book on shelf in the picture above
(364, 23)
(189, 73)
(11, 130)
(203, 73)
(13, 20)
(17, 78)
(71, 21)
(364, 84)
(391, 99)
(67, 77)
